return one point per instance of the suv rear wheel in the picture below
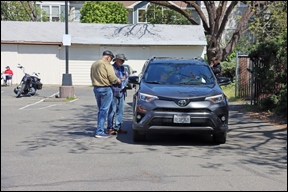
(137, 136)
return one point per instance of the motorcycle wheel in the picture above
(33, 91)
(20, 90)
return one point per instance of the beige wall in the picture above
(50, 60)
(34, 58)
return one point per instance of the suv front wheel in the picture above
(137, 136)
(220, 138)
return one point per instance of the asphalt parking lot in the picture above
(51, 146)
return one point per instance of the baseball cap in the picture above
(109, 53)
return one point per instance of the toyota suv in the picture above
(176, 95)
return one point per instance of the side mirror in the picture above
(224, 81)
(133, 80)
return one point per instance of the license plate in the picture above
(181, 119)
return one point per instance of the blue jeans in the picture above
(116, 110)
(7, 77)
(103, 97)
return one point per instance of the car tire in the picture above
(220, 138)
(137, 136)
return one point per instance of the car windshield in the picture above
(178, 73)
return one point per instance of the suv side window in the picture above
(142, 71)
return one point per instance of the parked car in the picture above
(179, 96)
(130, 72)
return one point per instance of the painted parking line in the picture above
(74, 100)
(48, 106)
(37, 102)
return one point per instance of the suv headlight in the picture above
(216, 98)
(146, 97)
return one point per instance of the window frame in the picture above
(50, 5)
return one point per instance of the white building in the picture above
(38, 46)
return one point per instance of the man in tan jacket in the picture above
(103, 76)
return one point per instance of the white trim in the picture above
(237, 5)
(133, 5)
(171, 2)
(174, 4)
(51, 3)
(138, 15)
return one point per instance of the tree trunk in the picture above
(218, 18)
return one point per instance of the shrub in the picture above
(269, 103)
(282, 104)
(228, 69)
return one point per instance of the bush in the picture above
(282, 104)
(228, 69)
(104, 12)
(269, 103)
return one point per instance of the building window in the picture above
(141, 16)
(46, 14)
(77, 15)
(55, 13)
(51, 11)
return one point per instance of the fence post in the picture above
(251, 97)
(236, 76)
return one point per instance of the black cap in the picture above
(109, 53)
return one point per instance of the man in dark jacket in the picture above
(216, 67)
(119, 93)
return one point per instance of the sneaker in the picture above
(103, 135)
(121, 131)
(111, 132)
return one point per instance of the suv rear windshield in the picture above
(178, 73)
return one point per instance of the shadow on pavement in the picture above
(259, 142)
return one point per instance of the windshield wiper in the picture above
(152, 82)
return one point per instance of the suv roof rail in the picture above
(160, 58)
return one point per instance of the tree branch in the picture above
(26, 10)
(184, 13)
(225, 18)
(219, 14)
(238, 32)
(32, 10)
(201, 14)
(210, 6)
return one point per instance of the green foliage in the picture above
(269, 103)
(282, 104)
(229, 91)
(230, 57)
(242, 46)
(272, 23)
(228, 69)
(157, 14)
(103, 12)
(71, 98)
(272, 70)
(15, 11)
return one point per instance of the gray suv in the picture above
(176, 95)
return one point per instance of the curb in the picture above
(55, 100)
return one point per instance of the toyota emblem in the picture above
(182, 103)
